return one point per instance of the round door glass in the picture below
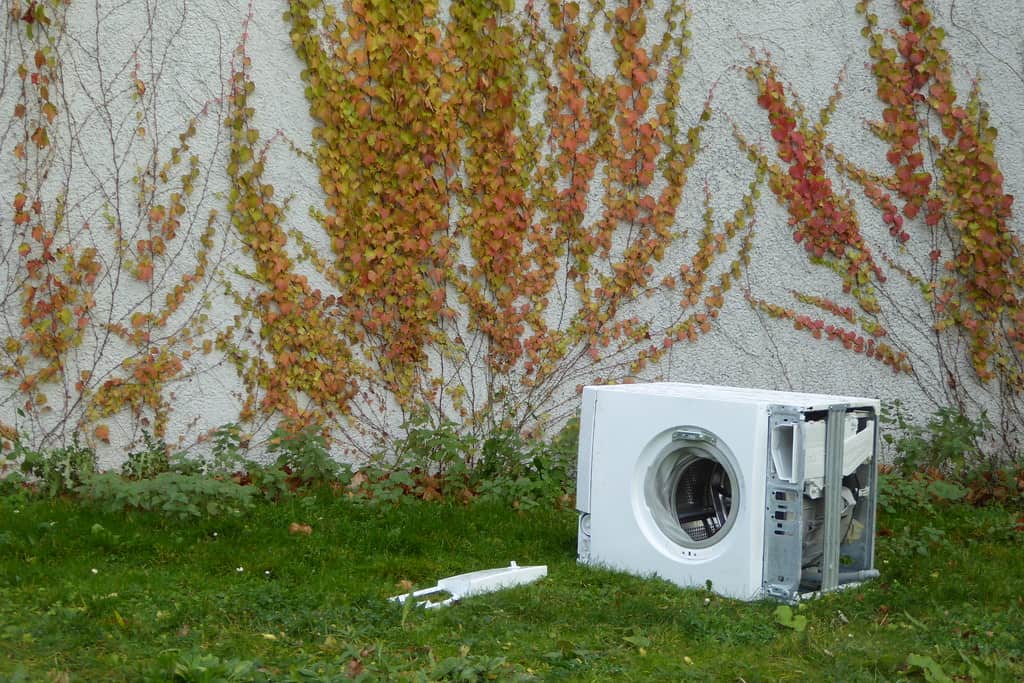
(692, 490)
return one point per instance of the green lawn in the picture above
(91, 596)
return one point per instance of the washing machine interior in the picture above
(821, 496)
(692, 491)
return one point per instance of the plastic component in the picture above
(476, 583)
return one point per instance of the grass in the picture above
(93, 596)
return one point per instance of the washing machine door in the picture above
(692, 490)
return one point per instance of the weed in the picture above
(304, 456)
(439, 463)
(226, 451)
(918, 492)
(270, 480)
(919, 541)
(785, 616)
(526, 475)
(148, 461)
(467, 667)
(196, 666)
(11, 480)
(58, 470)
(949, 442)
(440, 449)
(172, 494)
(392, 487)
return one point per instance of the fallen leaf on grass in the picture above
(296, 528)
(354, 668)
(431, 494)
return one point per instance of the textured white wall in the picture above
(810, 41)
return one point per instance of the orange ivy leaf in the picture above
(40, 137)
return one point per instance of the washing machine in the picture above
(752, 493)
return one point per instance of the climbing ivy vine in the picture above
(978, 291)
(108, 262)
(944, 200)
(499, 216)
(475, 274)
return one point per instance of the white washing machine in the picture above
(755, 493)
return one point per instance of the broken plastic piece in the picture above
(476, 583)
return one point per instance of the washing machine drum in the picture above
(692, 491)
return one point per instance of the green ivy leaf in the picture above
(784, 616)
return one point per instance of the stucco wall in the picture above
(186, 49)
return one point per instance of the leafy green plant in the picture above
(58, 470)
(304, 456)
(928, 667)
(436, 448)
(527, 474)
(921, 541)
(149, 460)
(11, 483)
(468, 667)
(394, 487)
(11, 479)
(375, 485)
(202, 667)
(169, 493)
(226, 451)
(270, 480)
(564, 446)
(949, 441)
(785, 616)
(503, 454)
(439, 463)
(917, 492)
(897, 492)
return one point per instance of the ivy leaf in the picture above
(929, 668)
(785, 617)
(102, 432)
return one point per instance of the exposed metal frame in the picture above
(841, 563)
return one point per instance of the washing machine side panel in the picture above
(584, 459)
(621, 535)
